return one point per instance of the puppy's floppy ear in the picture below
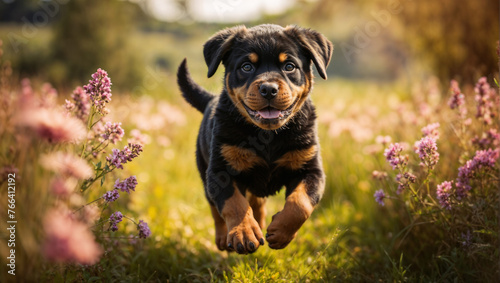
(317, 45)
(218, 46)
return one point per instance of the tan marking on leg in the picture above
(282, 57)
(244, 233)
(297, 158)
(258, 207)
(240, 159)
(254, 58)
(286, 223)
(220, 229)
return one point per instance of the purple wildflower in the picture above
(114, 219)
(393, 155)
(404, 181)
(427, 151)
(111, 196)
(99, 90)
(113, 132)
(443, 192)
(490, 139)
(457, 99)
(484, 159)
(467, 239)
(143, 229)
(70, 106)
(80, 103)
(431, 130)
(483, 100)
(120, 157)
(126, 185)
(379, 197)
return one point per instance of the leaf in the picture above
(103, 179)
(98, 165)
(93, 279)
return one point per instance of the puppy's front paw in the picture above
(221, 236)
(245, 237)
(282, 230)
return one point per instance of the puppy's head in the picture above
(268, 69)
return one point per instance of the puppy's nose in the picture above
(269, 90)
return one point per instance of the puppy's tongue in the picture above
(269, 113)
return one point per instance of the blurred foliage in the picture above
(455, 39)
(93, 34)
(459, 38)
(16, 11)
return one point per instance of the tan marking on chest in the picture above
(297, 158)
(240, 159)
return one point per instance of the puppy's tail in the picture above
(192, 92)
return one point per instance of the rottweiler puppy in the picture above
(260, 133)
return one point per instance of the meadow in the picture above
(389, 225)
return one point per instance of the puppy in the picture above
(259, 134)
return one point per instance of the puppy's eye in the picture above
(247, 67)
(289, 67)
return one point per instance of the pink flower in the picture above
(490, 139)
(63, 186)
(52, 125)
(427, 151)
(68, 240)
(443, 192)
(138, 137)
(97, 131)
(384, 140)
(457, 98)
(379, 197)
(485, 105)
(99, 90)
(126, 185)
(404, 181)
(379, 175)
(483, 160)
(67, 165)
(113, 132)
(393, 155)
(80, 103)
(143, 229)
(431, 130)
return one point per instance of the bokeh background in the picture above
(390, 73)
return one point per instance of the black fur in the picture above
(193, 93)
